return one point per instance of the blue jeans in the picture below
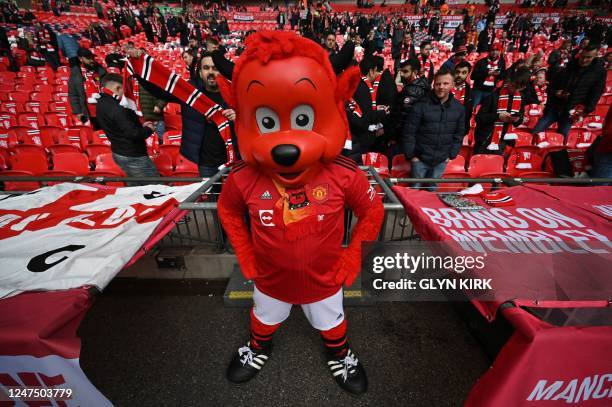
(423, 170)
(478, 96)
(602, 167)
(136, 167)
(552, 115)
(160, 129)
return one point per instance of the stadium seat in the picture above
(32, 120)
(522, 138)
(400, 167)
(36, 107)
(466, 152)
(521, 159)
(16, 185)
(172, 137)
(99, 137)
(105, 162)
(50, 134)
(185, 168)
(94, 150)
(29, 161)
(58, 119)
(457, 164)
(7, 120)
(485, 163)
(3, 163)
(59, 107)
(173, 121)
(75, 162)
(85, 132)
(377, 161)
(163, 163)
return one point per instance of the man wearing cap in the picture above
(459, 56)
(84, 86)
(487, 72)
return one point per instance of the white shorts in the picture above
(322, 315)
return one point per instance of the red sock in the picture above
(261, 334)
(335, 340)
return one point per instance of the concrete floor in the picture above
(167, 345)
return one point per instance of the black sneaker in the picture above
(246, 363)
(349, 373)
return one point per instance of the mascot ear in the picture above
(225, 87)
(347, 83)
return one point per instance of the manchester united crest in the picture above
(319, 193)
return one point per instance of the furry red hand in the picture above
(347, 267)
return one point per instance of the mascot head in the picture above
(290, 115)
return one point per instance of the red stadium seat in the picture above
(94, 150)
(185, 168)
(29, 161)
(41, 96)
(171, 150)
(400, 167)
(163, 163)
(86, 134)
(377, 161)
(7, 120)
(525, 158)
(456, 165)
(50, 134)
(32, 120)
(522, 138)
(99, 137)
(63, 120)
(485, 163)
(105, 162)
(75, 162)
(19, 186)
(173, 121)
(36, 107)
(59, 107)
(3, 163)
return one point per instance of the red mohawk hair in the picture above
(266, 46)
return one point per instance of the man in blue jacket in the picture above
(434, 129)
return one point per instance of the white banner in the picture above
(50, 379)
(71, 235)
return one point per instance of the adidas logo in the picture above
(266, 195)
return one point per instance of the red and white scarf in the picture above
(425, 65)
(491, 66)
(373, 87)
(91, 83)
(502, 106)
(353, 106)
(541, 92)
(152, 71)
(406, 51)
(459, 93)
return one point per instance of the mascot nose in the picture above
(285, 154)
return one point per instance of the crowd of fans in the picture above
(407, 102)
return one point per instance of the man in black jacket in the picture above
(126, 134)
(414, 88)
(462, 90)
(574, 91)
(434, 129)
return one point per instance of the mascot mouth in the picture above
(290, 175)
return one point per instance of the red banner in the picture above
(541, 364)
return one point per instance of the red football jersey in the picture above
(298, 271)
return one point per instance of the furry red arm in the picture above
(349, 265)
(231, 209)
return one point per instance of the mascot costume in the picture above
(294, 185)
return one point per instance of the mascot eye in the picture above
(302, 118)
(267, 120)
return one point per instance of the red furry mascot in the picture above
(291, 126)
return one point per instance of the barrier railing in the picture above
(201, 225)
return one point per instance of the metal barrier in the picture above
(201, 226)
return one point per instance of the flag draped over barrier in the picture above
(542, 363)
